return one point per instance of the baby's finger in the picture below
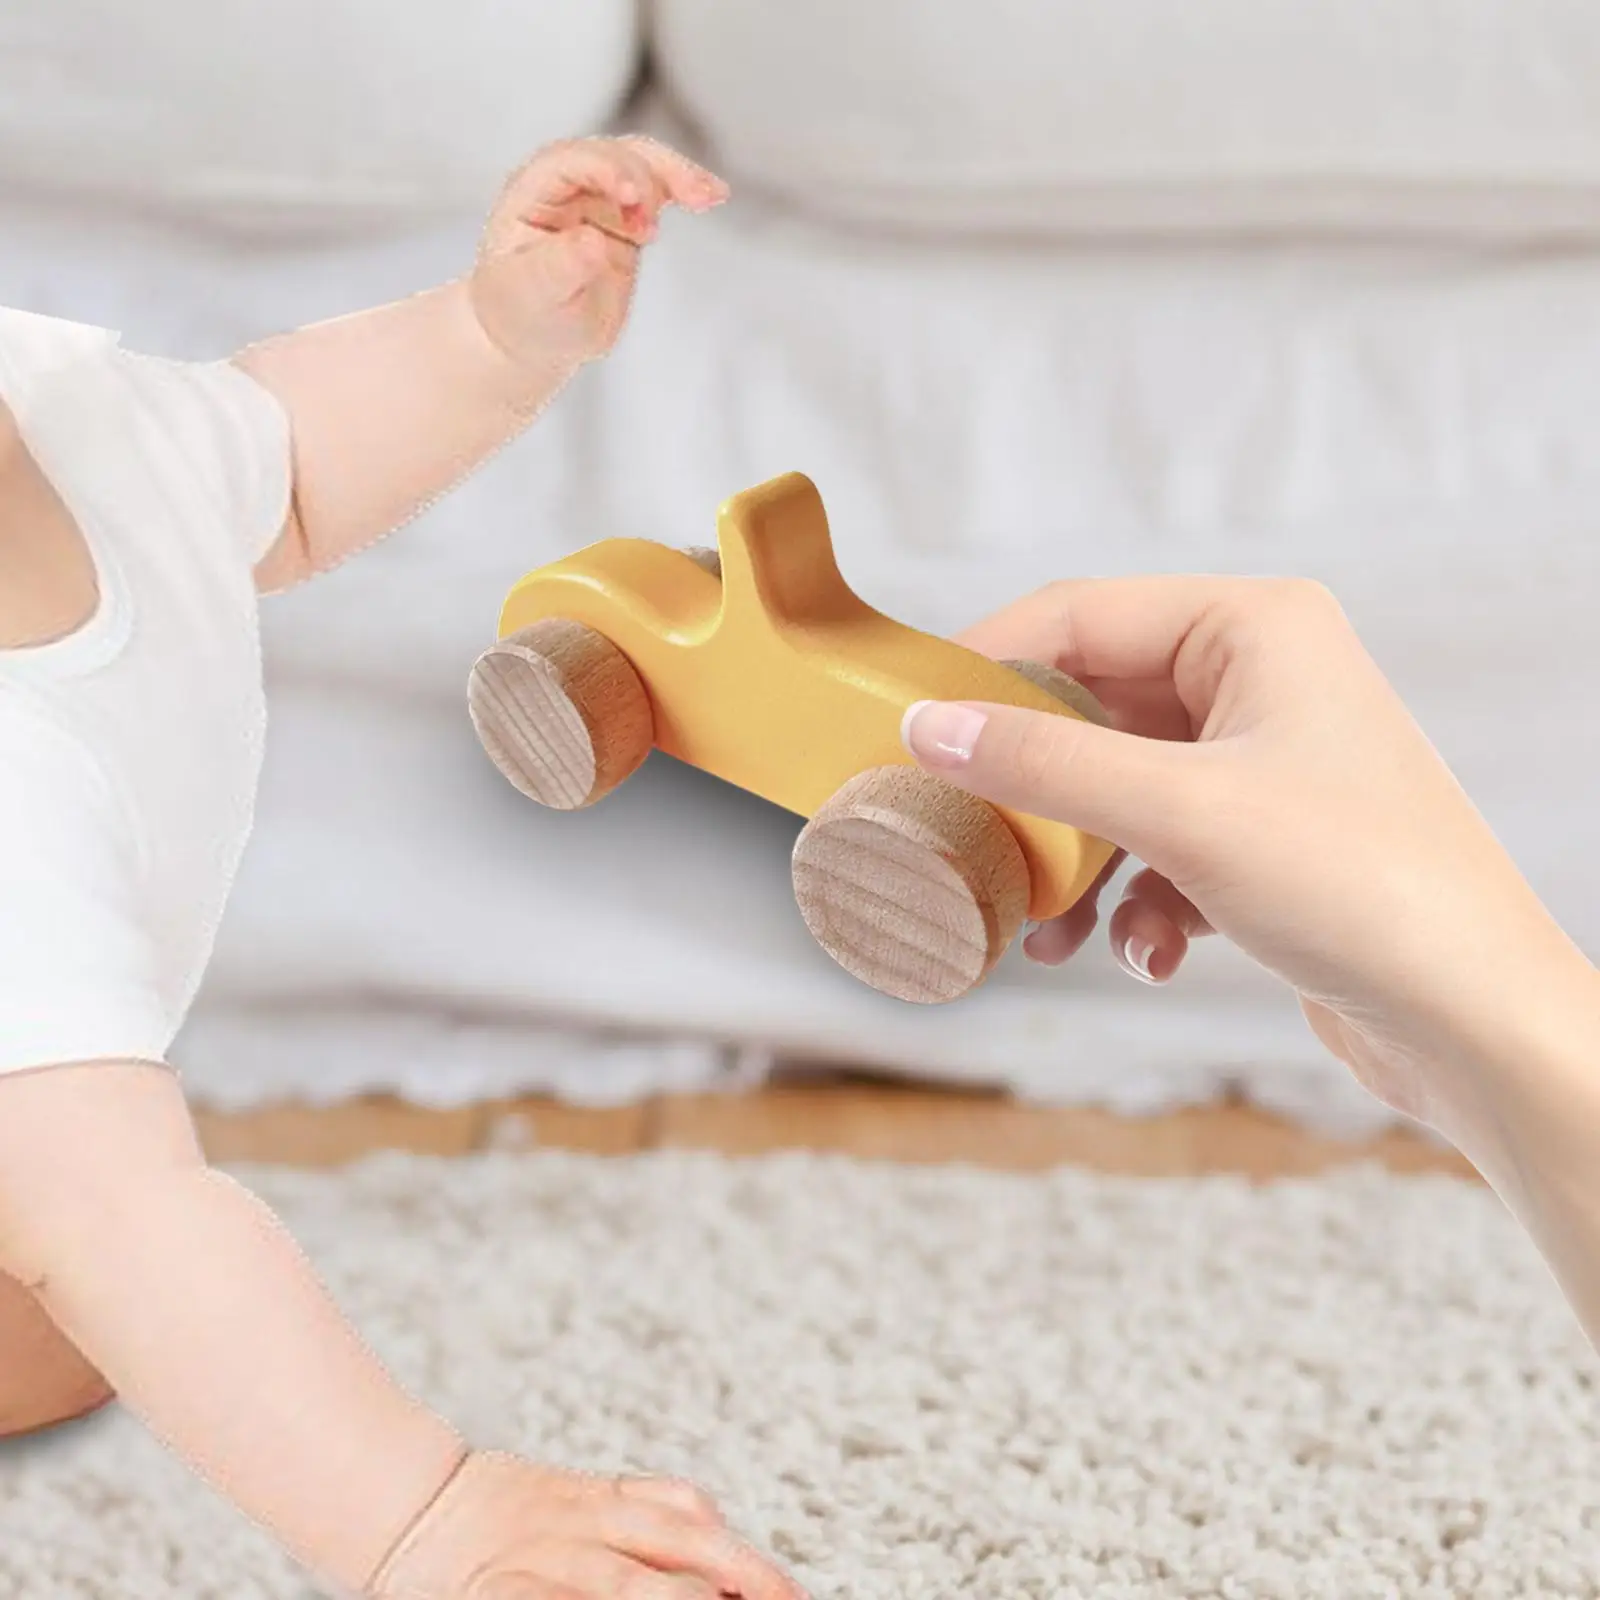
(611, 167)
(604, 167)
(685, 181)
(672, 1543)
(597, 1573)
(688, 1498)
(629, 224)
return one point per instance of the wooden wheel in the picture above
(561, 712)
(1066, 689)
(910, 884)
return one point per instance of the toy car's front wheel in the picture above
(561, 712)
(910, 884)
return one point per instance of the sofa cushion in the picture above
(1065, 116)
(300, 113)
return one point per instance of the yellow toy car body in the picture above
(770, 674)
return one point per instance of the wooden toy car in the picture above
(756, 663)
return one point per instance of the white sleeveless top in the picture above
(130, 751)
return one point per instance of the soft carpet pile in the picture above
(917, 1383)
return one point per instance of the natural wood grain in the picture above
(1066, 689)
(910, 884)
(882, 1123)
(546, 1124)
(327, 1136)
(561, 712)
(869, 1120)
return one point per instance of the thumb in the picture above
(1118, 786)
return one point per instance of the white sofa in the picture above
(1029, 290)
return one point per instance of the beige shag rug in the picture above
(924, 1383)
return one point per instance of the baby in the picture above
(143, 505)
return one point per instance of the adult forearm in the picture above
(1538, 1067)
(391, 408)
(210, 1324)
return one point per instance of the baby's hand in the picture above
(556, 269)
(504, 1530)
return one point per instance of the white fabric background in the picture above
(1061, 117)
(1163, 115)
(299, 114)
(1415, 429)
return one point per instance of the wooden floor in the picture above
(850, 1117)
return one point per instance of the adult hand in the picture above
(1279, 793)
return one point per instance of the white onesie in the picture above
(131, 750)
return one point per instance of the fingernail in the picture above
(1137, 954)
(941, 734)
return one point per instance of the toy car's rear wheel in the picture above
(1066, 689)
(561, 712)
(910, 884)
(706, 558)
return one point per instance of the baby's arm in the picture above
(391, 408)
(204, 1316)
(108, 1208)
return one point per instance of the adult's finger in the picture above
(1146, 945)
(1061, 938)
(1152, 928)
(1118, 786)
(1151, 889)
(1106, 627)
(1149, 706)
